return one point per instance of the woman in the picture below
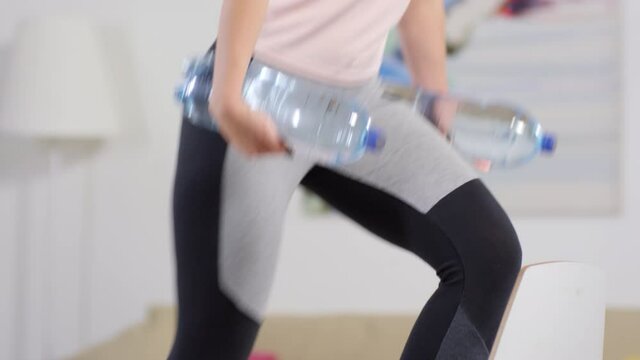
(232, 188)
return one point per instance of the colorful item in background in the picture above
(262, 356)
(519, 7)
(448, 4)
(393, 70)
(462, 18)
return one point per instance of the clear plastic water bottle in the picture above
(317, 121)
(489, 135)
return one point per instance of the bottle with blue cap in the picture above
(489, 135)
(317, 121)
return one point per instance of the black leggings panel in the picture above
(466, 238)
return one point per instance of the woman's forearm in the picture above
(422, 36)
(240, 24)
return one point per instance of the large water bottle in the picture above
(489, 135)
(317, 121)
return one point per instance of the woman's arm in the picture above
(240, 24)
(423, 41)
(251, 132)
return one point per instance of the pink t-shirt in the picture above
(335, 41)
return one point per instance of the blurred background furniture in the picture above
(58, 93)
(557, 311)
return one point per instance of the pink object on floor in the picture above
(262, 356)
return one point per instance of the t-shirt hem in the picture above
(307, 69)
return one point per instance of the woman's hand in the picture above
(443, 112)
(251, 132)
(442, 115)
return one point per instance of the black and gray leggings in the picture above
(417, 194)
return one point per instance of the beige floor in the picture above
(329, 337)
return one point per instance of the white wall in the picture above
(327, 264)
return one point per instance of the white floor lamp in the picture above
(57, 90)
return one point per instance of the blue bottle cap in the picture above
(374, 140)
(548, 143)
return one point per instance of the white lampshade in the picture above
(57, 82)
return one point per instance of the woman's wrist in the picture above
(224, 107)
(433, 78)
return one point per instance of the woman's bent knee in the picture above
(482, 234)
